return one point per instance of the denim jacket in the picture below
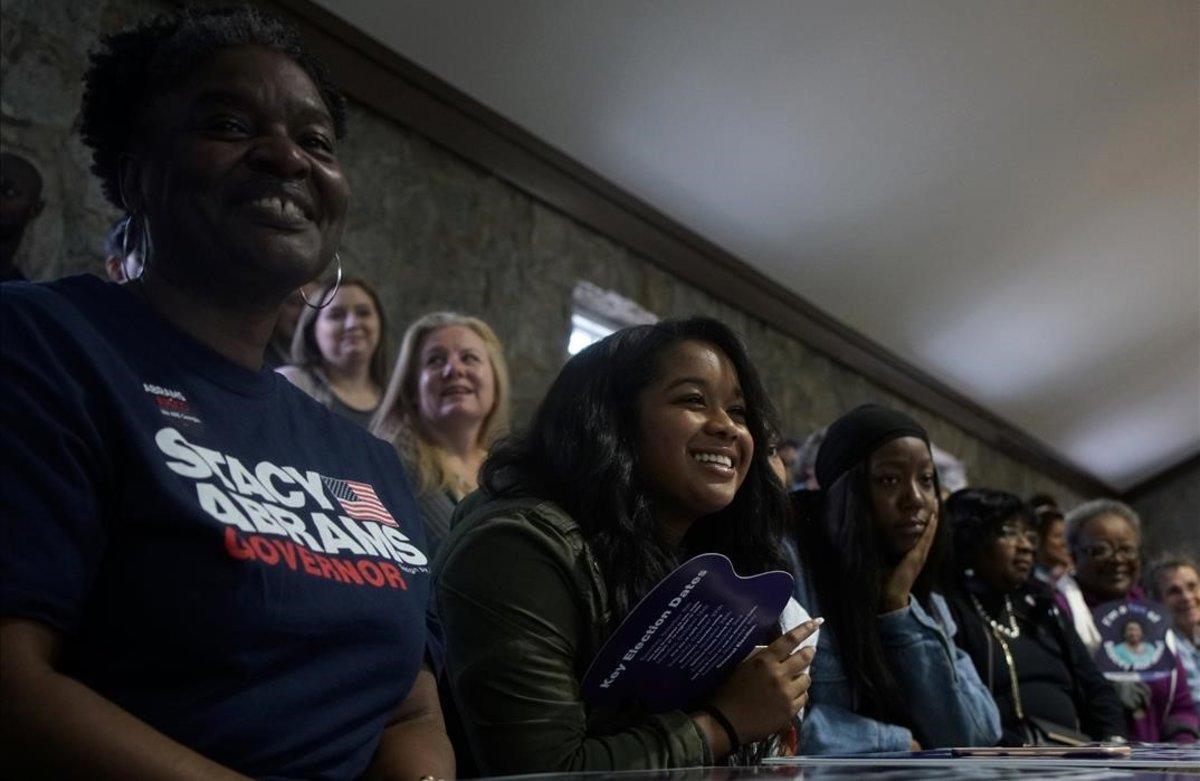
(945, 696)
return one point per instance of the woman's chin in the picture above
(456, 415)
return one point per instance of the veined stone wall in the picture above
(1170, 512)
(433, 232)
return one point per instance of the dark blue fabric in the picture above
(154, 511)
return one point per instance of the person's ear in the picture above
(129, 177)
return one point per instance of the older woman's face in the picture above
(240, 178)
(1007, 558)
(1107, 557)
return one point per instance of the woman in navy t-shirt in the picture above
(206, 574)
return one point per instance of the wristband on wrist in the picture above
(726, 724)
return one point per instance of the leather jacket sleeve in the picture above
(516, 603)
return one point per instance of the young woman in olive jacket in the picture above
(649, 448)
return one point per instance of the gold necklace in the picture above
(999, 632)
(1012, 631)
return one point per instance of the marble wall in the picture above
(1170, 512)
(433, 232)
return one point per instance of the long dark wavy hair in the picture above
(847, 559)
(582, 453)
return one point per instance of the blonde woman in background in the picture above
(447, 402)
(338, 352)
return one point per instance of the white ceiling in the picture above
(1005, 193)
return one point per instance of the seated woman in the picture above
(1174, 580)
(649, 448)
(338, 355)
(447, 402)
(887, 675)
(193, 585)
(1042, 678)
(1105, 538)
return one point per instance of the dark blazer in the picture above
(1098, 710)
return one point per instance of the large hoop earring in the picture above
(142, 247)
(327, 299)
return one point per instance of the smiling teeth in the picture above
(713, 458)
(280, 206)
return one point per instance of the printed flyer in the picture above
(1133, 640)
(685, 636)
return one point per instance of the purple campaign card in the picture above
(685, 636)
(1133, 640)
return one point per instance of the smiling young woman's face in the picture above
(695, 448)
(347, 330)
(240, 176)
(903, 491)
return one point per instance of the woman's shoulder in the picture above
(297, 375)
(481, 511)
(525, 541)
(71, 304)
(482, 521)
(307, 380)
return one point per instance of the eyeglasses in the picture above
(1016, 534)
(1102, 551)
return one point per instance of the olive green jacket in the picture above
(523, 608)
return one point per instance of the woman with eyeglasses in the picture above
(1105, 539)
(1039, 672)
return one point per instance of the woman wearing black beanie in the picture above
(888, 676)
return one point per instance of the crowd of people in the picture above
(236, 544)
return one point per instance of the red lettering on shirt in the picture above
(236, 546)
(272, 552)
(288, 550)
(392, 573)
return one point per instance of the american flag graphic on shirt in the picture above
(359, 500)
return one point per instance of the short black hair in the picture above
(976, 515)
(132, 67)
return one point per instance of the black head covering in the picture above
(853, 436)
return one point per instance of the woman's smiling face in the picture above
(239, 175)
(456, 383)
(347, 330)
(695, 447)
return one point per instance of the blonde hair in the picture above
(306, 353)
(398, 418)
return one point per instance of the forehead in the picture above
(698, 361)
(452, 337)
(1110, 527)
(253, 76)
(902, 451)
(1179, 575)
(1017, 520)
(352, 295)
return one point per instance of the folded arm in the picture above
(54, 726)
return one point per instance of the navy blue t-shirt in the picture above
(225, 558)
